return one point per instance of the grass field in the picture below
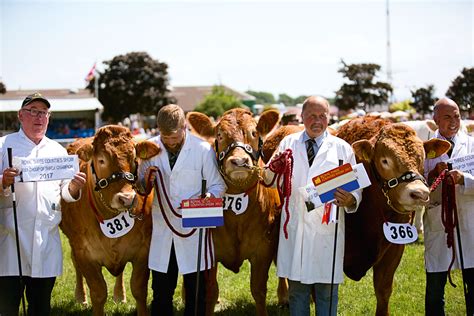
(355, 298)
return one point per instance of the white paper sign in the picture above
(400, 233)
(465, 163)
(48, 168)
(118, 226)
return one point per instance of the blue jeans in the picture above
(299, 294)
(434, 295)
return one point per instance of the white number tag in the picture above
(236, 202)
(118, 226)
(400, 233)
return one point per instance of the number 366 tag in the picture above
(400, 233)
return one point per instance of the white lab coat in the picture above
(38, 213)
(437, 255)
(195, 162)
(307, 254)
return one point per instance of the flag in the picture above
(202, 212)
(91, 74)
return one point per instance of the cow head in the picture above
(238, 143)
(111, 157)
(396, 157)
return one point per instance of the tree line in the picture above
(137, 83)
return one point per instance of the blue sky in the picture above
(274, 46)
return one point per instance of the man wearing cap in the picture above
(37, 211)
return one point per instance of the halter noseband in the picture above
(246, 147)
(114, 177)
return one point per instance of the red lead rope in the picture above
(449, 214)
(282, 165)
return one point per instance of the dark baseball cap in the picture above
(35, 97)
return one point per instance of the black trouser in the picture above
(38, 295)
(434, 297)
(164, 285)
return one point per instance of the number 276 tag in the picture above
(400, 233)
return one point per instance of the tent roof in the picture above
(57, 105)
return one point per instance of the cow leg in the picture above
(139, 286)
(212, 289)
(258, 283)
(97, 285)
(80, 290)
(282, 292)
(120, 295)
(384, 271)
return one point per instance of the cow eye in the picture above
(254, 133)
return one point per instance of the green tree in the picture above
(361, 90)
(262, 97)
(423, 99)
(402, 106)
(3, 89)
(462, 90)
(132, 83)
(217, 102)
(286, 99)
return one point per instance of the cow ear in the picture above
(363, 149)
(267, 121)
(146, 150)
(436, 147)
(431, 125)
(85, 152)
(201, 124)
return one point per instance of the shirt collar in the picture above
(318, 140)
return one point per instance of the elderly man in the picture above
(305, 257)
(437, 254)
(38, 214)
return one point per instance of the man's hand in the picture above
(344, 198)
(458, 176)
(433, 174)
(9, 175)
(76, 184)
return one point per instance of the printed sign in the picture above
(465, 163)
(340, 177)
(347, 177)
(202, 212)
(118, 226)
(400, 233)
(48, 168)
(236, 203)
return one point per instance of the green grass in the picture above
(355, 298)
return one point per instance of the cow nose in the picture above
(239, 161)
(420, 195)
(126, 198)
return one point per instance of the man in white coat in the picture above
(305, 257)
(437, 254)
(183, 163)
(38, 214)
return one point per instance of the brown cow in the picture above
(109, 160)
(393, 157)
(251, 222)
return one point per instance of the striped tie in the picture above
(450, 152)
(310, 150)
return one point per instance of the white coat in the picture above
(437, 255)
(196, 161)
(38, 213)
(307, 254)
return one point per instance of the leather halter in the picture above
(255, 154)
(392, 183)
(114, 177)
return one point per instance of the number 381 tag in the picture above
(400, 233)
(118, 226)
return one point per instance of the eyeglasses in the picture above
(37, 113)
